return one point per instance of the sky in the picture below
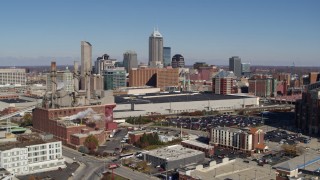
(271, 32)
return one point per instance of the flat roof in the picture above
(175, 152)
(198, 144)
(23, 144)
(173, 97)
(311, 163)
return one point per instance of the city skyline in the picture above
(261, 33)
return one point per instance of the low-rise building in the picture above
(172, 157)
(135, 136)
(291, 169)
(31, 154)
(196, 145)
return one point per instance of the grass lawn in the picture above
(108, 176)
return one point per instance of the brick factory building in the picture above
(55, 121)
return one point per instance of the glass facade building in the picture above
(114, 79)
(166, 56)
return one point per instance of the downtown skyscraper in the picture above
(156, 49)
(130, 60)
(235, 65)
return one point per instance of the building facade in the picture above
(13, 77)
(235, 65)
(177, 61)
(222, 82)
(172, 157)
(248, 140)
(114, 78)
(245, 69)
(155, 49)
(64, 80)
(86, 65)
(31, 157)
(307, 110)
(130, 60)
(266, 87)
(166, 56)
(103, 63)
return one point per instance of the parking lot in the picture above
(208, 122)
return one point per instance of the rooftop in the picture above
(19, 144)
(311, 163)
(173, 97)
(198, 144)
(175, 152)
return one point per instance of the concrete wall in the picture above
(178, 107)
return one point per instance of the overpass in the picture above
(281, 107)
(17, 112)
(285, 99)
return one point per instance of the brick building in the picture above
(54, 121)
(135, 136)
(223, 82)
(155, 77)
(265, 87)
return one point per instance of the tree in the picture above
(91, 142)
(83, 149)
(26, 120)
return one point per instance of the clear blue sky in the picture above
(268, 32)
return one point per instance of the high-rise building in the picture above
(235, 65)
(307, 110)
(155, 49)
(314, 77)
(245, 69)
(102, 63)
(166, 56)
(64, 80)
(222, 82)
(114, 78)
(86, 64)
(177, 61)
(13, 76)
(130, 60)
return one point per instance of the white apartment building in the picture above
(31, 157)
(231, 138)
(13, 76)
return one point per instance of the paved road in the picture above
(92, 165)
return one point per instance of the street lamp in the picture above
(166, 168)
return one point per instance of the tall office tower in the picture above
(245, 69)
(130, 60)
(177, 61)
(235, 65)
(166, 56)
(86, 64)
(156, 49)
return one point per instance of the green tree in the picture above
(91, 142)
(26, 120)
